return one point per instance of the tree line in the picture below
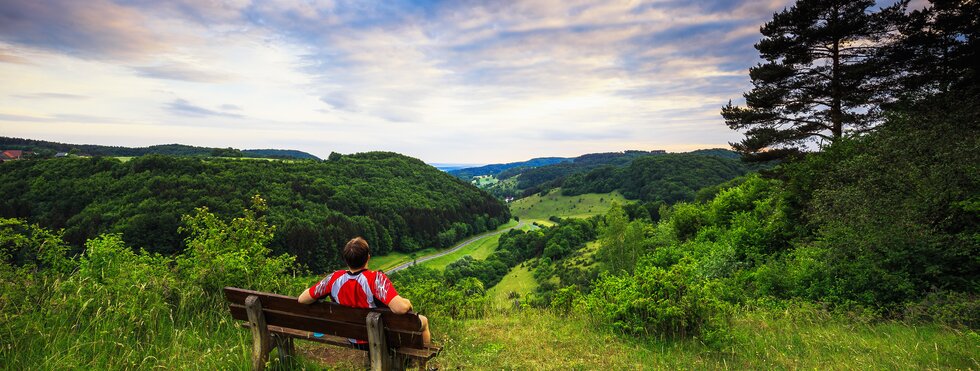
(46, 149)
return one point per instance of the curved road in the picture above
(452, 250)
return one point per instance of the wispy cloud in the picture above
(50, 96)
(89, 29)
(182, 72)
(184, 108)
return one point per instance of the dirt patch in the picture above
(335, 357)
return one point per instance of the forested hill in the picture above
(48, 149)
(494, 169)
(640, 175)
(396, 202)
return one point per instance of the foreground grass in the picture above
(527, 339)
(541, 208)
(538, 339)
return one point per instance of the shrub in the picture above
(430, 293)
(221, 253)
(658, 301)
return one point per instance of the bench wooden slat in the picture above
(427, 353)
(395, 338)
(340, 313)
(308, 335)
(417, 353)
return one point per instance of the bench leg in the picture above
(261, 343)
(286, 350)
(377, 345)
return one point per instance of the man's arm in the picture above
(398, 305)
(305, 297)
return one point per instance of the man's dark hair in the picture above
(356, 252)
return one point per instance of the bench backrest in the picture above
(328, 318)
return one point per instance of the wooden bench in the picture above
(275, 320)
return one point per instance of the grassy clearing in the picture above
(479, 250)
(394, 259)
(484, 181)
(519, 280)
(538, 339)
(538, 208)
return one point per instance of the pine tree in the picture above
(938, 51)
(820, 80)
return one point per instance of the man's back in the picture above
(360, 289)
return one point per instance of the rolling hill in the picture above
(48, 149)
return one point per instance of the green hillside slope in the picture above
(541, 208)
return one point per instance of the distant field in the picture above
(479, 250)
(537, 208)
(127, 158)
(519, 280)
(394, 259)
(484, 181)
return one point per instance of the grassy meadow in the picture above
(479, 250)
(396, 258)
(484, 181)
(519, 280)
(537, 208)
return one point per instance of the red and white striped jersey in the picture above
(362, 289)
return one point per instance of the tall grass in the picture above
(764, 339)
(115, 308)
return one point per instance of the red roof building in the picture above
(11, 154)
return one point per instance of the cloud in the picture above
(58, 118)
(50, 96)
(8, 58)
(181, 72)
(90, 29)
(182, 107)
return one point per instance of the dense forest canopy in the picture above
(653, 176)
(396, 202)
(668, 178)
(48, 149)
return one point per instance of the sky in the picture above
(443, 81)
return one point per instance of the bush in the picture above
(950, 308)
(430, 293)
(223, 254)
(660, 302)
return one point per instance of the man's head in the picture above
(356, 253)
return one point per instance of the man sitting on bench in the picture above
(361, 288)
